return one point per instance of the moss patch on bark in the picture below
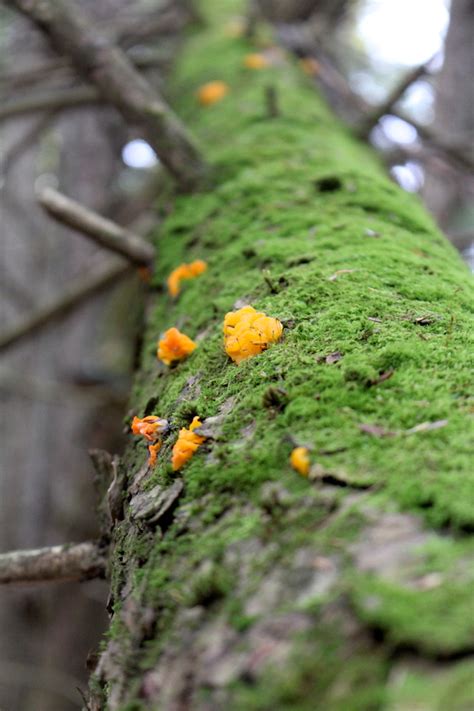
(303, 224)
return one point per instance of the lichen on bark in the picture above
(253, 589)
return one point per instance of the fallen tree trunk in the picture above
(237, 583)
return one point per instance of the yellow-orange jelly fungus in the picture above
(150, 427)
(248, 332)
(174, 346)
(255, 61)
(153, 450)
(187, 443)
(212, 92)
(184, 271)
(299, 460)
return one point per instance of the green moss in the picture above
(433, 688)
(321, 675)
(268, 212)
(432, 612)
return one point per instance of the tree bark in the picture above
(237, 583)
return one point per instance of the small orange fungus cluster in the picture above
(153, 450)
(184, 271)
(255, 60)
(187, 443)
(310, 66)
(299, 460)
(248, 332)
(212, 92)
(174, 346)
(151, 428)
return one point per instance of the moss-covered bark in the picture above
(237, 583)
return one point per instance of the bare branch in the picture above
(455, 154)
(101, 230)
(142, 58)
(79, 290)
(109, 69)
(71, 561)
(295, 39)
(50, 101)
(386, 107)
(21, 78)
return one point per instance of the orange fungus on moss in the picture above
(255, 60)
(153, 450)
(184, 271)
(150, 427)
(187, 443)
(299, 460)
(248, 332)
(212, 92)
(174, 346)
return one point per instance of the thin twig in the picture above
(50, 101)
(101, 230)
(71, 561)
(106, 66)
(455, 154)
(78, 291)
(334, 80)
(386, 107)
(142, 58)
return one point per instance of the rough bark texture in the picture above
(237, 583)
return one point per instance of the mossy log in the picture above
(237, 583)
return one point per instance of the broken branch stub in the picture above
(71, 561)
(101, 230)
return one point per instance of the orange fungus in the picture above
(187, 443)
(248, 332)
(212, 92)
(174, 346)
(150, 427)
(255, 61)
(153, 450)
(299, 460)
(184, 271)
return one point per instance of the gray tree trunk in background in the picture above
(46, 492)
(449, 194)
